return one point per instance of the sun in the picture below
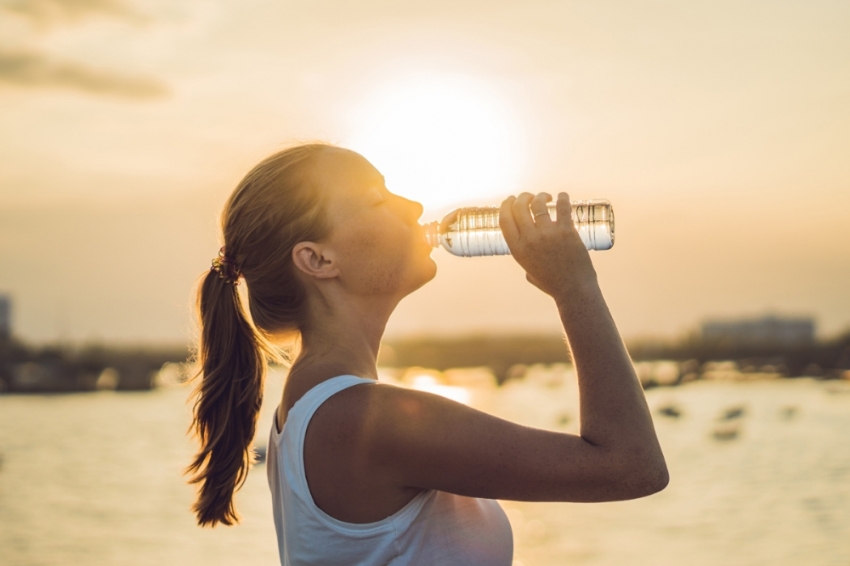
(441, 139)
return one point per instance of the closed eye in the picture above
(380, 197)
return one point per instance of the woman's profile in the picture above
(367, 473)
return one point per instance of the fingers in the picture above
(564, 209)
(507, 222)
(521, 212)
(540, 210)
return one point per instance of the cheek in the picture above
(376, 261)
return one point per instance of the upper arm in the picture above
(422, 440)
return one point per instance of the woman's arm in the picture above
(614, 414)
(414, 439)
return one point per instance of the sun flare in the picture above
(441, 139)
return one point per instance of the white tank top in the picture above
(434, 528)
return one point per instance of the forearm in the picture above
(614, 413)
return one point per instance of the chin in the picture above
(426, 271)
(432, 269)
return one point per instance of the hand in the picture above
(551, 252)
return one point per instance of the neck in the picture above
(344, 338)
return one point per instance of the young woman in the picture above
(382, 474)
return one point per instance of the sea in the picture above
(759, 475)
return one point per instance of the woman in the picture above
(383, 474)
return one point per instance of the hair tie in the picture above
(225, 268)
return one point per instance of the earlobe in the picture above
(313, 260)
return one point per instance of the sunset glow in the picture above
(128, 124)
(429, 384)
(441, 139)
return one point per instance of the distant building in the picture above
(5, 317)
(771, 330)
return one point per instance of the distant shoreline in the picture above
(27, 370)
(505, 355)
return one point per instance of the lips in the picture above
(421, 233)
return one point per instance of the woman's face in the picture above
(375, 235)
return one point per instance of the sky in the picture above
(720, 131)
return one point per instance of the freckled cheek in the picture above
(366, 244)
(379, 255)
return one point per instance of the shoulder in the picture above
(390, 424)
(378, 416)
(358, 405)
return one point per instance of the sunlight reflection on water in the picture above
(95, 478)
(429, 384)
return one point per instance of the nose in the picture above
(410, 209)
(417, 209)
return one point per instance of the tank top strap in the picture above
(290, 440)
(301, 413)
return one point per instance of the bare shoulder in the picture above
(345, 479)
(389, 424)
(385, 409)
(414, 439)
(370, 411)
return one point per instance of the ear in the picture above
(314, 260)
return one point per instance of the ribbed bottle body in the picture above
(475, 231)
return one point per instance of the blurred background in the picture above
(719, 131)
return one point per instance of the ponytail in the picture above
(273, 208)
(232, 358)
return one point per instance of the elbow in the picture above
(632, 474)
(632, 483)
(651, 476)
(642, 477)
(656, 478)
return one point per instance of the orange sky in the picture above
(719, 130)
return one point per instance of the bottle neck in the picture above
(432, 234)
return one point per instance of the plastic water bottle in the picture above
(475, 231)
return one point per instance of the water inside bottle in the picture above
(475, 231)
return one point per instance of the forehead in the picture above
(342, 173)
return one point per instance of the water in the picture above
(95, 479)
(475, 231)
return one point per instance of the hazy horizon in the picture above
(720, 133)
